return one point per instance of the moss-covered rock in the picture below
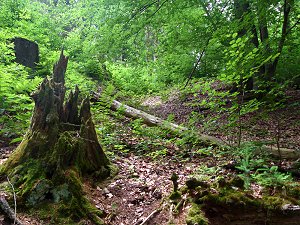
(196, 216)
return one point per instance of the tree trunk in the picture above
(242, 8)
(60, 146)
(268, 70)
(288, 4)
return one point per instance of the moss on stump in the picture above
(59, 148)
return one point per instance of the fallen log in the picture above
(285, 153)
(148, 119)
(151, 120)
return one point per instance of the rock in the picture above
(27, 52)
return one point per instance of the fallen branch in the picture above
(171, 214)
(150, 216)
(284, 153)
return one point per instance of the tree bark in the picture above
(284, 31)
(242, 8)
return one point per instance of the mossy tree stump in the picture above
(59, 148)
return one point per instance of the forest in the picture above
(158, 112)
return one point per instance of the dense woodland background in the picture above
(229, 69)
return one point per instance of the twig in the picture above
(150, 216)
(196, 64)
(171, 214)
(15, 201)
(277, 138)
(179, 205)
(294, 25)
(141, 9)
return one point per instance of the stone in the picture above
(27, 52)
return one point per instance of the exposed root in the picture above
(8, 211)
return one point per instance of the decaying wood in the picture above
(147, 220)
(147, 118)
(61, 129)
(156, 121)
(285, 153)
(59, 147)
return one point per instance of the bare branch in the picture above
(292, 27)
(141, 9)
(197, 63)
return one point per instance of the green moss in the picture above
(69, 151)
(114, 170)
(273, 202)
(27, 177)
(196, 216)
(58, 213)
(184, 189)
(294, 191)
(39, 191)
(229, 197)
(64, 151)
(14, 158)
(236, 181)
(175, 195)
(63, 190)
(78, 206)
(193, 183)
(67, 203)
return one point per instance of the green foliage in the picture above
(255, 170)
(241, 61)
(137, 125)
(248, 162)
(11, 12)
(271, 177)
(158, 153)
(206, 174)
(137, 79)
(16, 104)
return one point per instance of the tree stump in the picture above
(59, 148)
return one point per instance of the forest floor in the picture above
(257, 126)
(147, 158)
(141, 187)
